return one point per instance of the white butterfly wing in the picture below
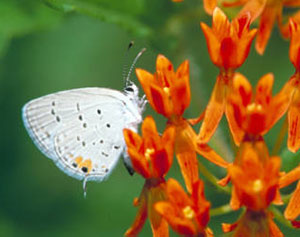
(81, 130)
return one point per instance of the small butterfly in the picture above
(81, 130)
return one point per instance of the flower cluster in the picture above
(254, 176)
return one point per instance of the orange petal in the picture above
(139, 220)
(180, 225)
(186, 155)
(209, 232)
(168, 140)
(291, 3)
(163, 63)
(277, 200)
(160, 163)
(202, 205)
(164, 70)
(264, 88)
(242, 87)
(189, 167)
(293, 208)
(209, 6)
(228, 227)
(157, 98)
(294, 32)
(266, 23)
(279, 105)
(290, 177)
(160, 101)
(132, 139)
(221, 24)
(274, 230)
(227, 49)
(194, 121)
(294, 127)
(234, 3)
(139, 163)
(285, 27)
(238, 99)
(254, 7)
(207, 152)
(146, 79)
(156, 192)
(213, 44)
(235, 117)
(180, 89)
(234, 201)
(158, 224)
(149, 133)
(245, 41)
(223, 182)
(213, 112)
(177, 195)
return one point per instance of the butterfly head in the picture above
(131, 90)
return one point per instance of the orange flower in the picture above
(168, 92)
(209, 6)
(292, 90)
(188, 216)
(269, 11)
(250, 114)
(254, 223)
(151, 156)
(228, 43)
(294, 51)
(255, 178)
(292, 210)
(228, 46)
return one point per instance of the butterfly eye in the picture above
(129, 89)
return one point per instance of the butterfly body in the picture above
(81, 130)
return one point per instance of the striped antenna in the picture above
(125, 67)
(127, 80)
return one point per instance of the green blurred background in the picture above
(52, 45)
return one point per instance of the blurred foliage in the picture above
(21, 17)
(122, 13)
(52, 45)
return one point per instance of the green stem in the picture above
(212, 179)
(285, 198)
(280, 137)
(220, 210)
(278, 216)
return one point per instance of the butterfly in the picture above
(81, 130)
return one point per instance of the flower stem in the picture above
(278, 216)
(286, 198)
(280, 137)
(220, 210)
(212, 179)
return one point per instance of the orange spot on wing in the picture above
(78, 160)
(86, 163)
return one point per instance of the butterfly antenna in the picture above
(84, 187)
(125, 67)
(133, 65)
